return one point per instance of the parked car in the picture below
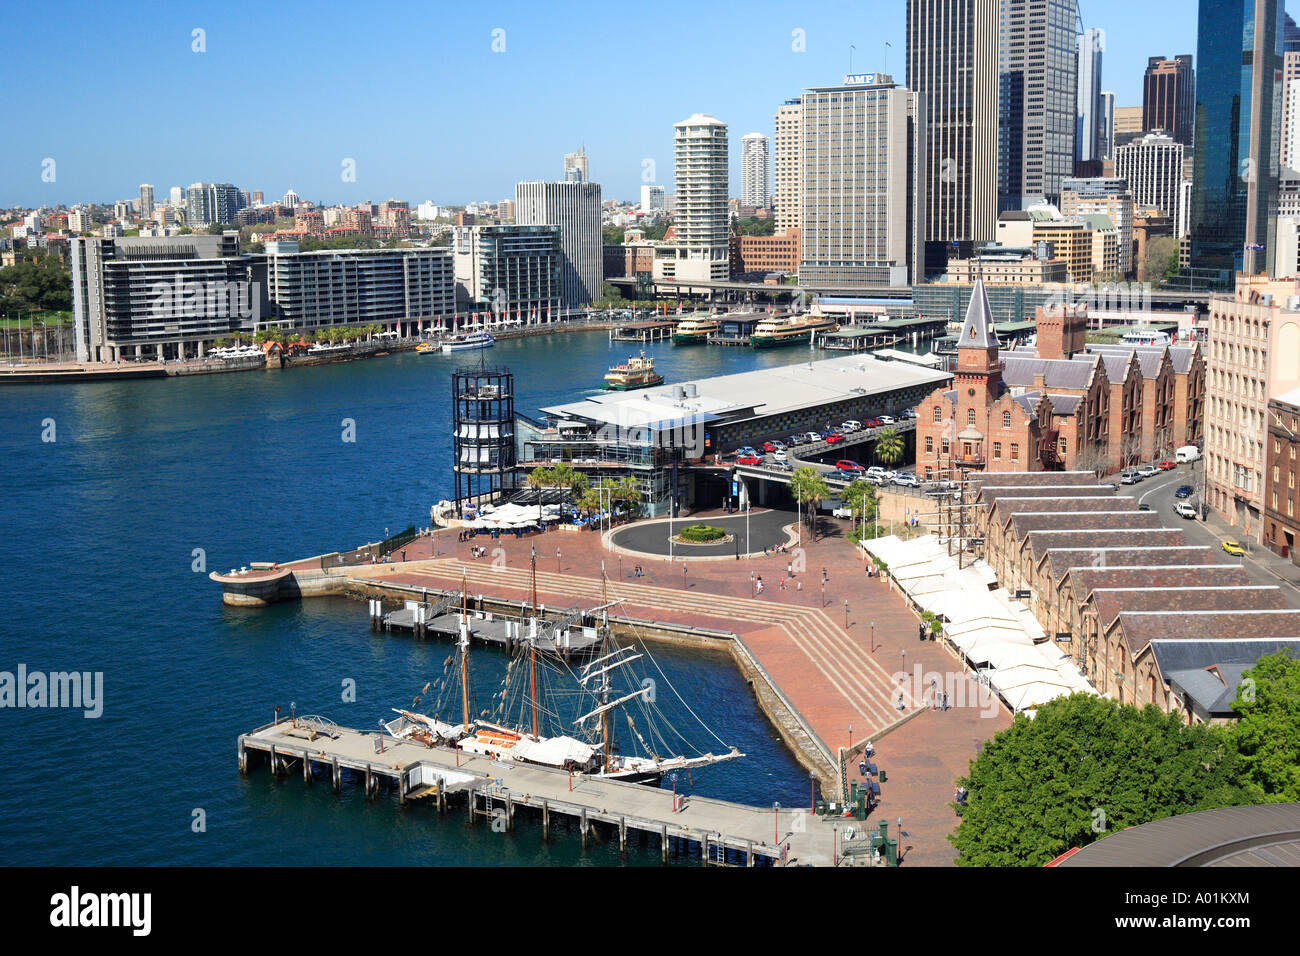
(1148, 471)
(1185, 510)
(779, 456)
(834, 438)
(771, 445)
(842, 513)
(886, 419)
(1144, 507)
(850, 466)
(851, 426)
(749, 460)
(1166, 465)
(809, 437)
(906, 481)
(907, 413)
(749, 450)
(1184, 491)
(1187, 453)
(794, 440)
(1130, 478)
(1234, 549)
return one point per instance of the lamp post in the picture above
(557, 560)
(812, 792)
(846, 614)
(751, 584)
(776, 823)
(873, 637)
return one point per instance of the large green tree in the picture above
(1086, 766)
(42, 282)
(809, 488)
(889, 446)
(1268, 733)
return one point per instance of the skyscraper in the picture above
(652, 198)
(864, 180)
(1239, 53)
(1037, 61)
(575, 166)
(1153, 167)
(952, 61)
(699, 248)
(146, 201)
(1106, 127)
(754, 189)
(198, 205)
(575, 208)
(1169, 97)
(789, 130)
(1087, 126)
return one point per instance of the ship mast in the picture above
(464, 653)
(532, 648)
(607, 742)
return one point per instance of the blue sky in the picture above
(415, 95)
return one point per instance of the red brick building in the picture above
(775, 253)
(1281, 481)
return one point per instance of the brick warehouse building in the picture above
(1058, 405)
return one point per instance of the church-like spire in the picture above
(977, 331)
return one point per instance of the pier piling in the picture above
(546, 820)
(336, 775)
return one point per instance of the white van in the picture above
(1187, 453)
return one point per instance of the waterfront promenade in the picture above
(842, 680)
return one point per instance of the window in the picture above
(1015, 451)
(945, 446)
(1062, 444)
(1276, 474)
(1006, 419)
(997, 451)
(929, 444)
(970, 416)
(936, 413)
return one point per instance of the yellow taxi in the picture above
(1234, 549)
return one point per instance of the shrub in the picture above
(702, 532)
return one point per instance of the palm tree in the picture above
(809, 488)
(889, 446)
(860, 496)
(538, 479)
(626, 489)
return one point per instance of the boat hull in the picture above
(689, 338)
(631, 386)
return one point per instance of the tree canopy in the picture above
(41, 282)
(1268, 734)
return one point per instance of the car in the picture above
(906, 481)
(794, 440)
(1166, 465)
(1234, 549)
(770, 446)
(1184, 491)
(852, 466)
(779, 455)
(875, 423)
(1130, 478)
(886, 419)
(1185, 510)
(749, 460)
(810, 437)
(1144, 507)
(1148, 471)
(907, 413)
(851, 426)
(834, 438)
(842, 513)
(749, 450)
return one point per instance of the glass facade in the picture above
(1239, 50)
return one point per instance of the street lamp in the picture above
(751, 584)
(846, 614)
(557, 560)
(776, 823)
(812, 792)
(873, 637)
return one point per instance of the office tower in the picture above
(1169, 97)
(786, 172)
(1103, 197)
(575, 166)
(256, 197)
(575, 208)
(1239, 54)
(754, 189)
(864, 179)
(1087, 128)
(1106, 127)
(1128, 124)
(146, 201)
(1037, 60)
(952, 61)
(652, 199)
(1153, 167)
(699, 248)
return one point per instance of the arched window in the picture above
(1006, 419)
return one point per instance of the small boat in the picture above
(470, 340)
(695, 330)
(427, 348)
(636, 372)
(789, 330)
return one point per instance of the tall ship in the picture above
(695, 329)
(469, 340)
(636, 372)
(555, 713)
(789, 330)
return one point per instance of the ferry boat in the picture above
(636, 372)
(1143, 335)
(470, 340)
(695, 330)
(789, 330)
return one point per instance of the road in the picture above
(1262, 566)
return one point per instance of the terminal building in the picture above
(671, 438)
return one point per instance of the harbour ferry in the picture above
(469, 340)
(695, 330)
(636, 372)
(789, 330)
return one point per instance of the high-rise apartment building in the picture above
(864, 179)
(1037, 68)
(146, 201)
(786, 178)
(754, 184)
(699, 249)
(1169, 97)
(513, 271)
(575, 166)
(575, 208)
(952, 61)
(1239, 57)
(1153, 168)
(1087, 122)
(1105, 197)
(652, 199)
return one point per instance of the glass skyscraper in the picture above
(1238, 107)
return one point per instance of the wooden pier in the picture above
(642, 332)
(687, 828)
(567, 636)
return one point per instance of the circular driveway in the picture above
(651, 538)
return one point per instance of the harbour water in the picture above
(104, 529)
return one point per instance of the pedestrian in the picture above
(403, 555)
(783, 582)
(798, 585)
(920, 632)
(945, 700)
(789, 569)
(899, 705)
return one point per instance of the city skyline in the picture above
(397, 141)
